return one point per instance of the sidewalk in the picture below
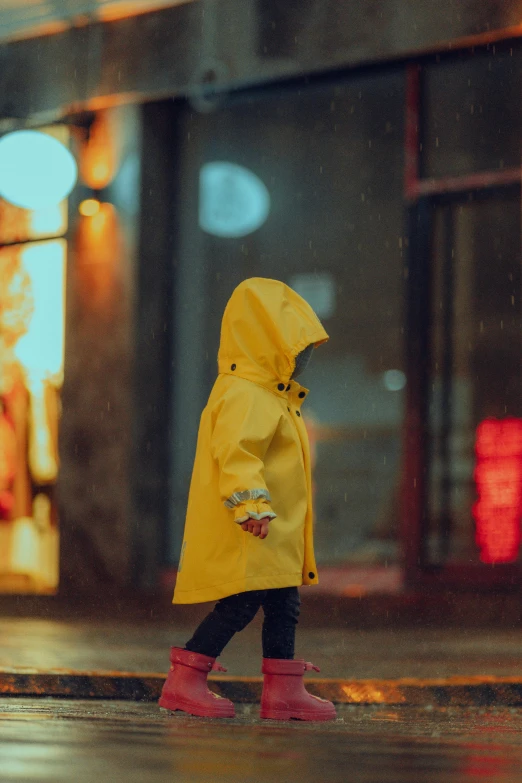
(103, 659)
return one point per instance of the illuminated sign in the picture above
(498, 479)
(40, 350)
(36, 173)
(32, 301)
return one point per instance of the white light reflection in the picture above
(233, 201)
(36, 170)
(394, 380)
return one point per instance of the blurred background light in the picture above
(41, 349)
(318, 290)
(125, 188)
(49, 221)
(233, 201)
(394, 380)
(36, 170)
(89, 207)
(99, 153)
(498, 481)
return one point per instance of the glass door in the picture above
(470, 366)
(290, 186)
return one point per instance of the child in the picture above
(248, 534)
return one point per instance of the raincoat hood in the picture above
(265, 326)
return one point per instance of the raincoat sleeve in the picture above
(242, 432)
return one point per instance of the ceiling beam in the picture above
(225, 44)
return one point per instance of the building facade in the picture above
(368, 155)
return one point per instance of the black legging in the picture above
(232, 614)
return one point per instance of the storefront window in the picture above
(32, 332)
(330, 158)
(476, 380)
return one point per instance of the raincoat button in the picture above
(302, 394)
(233, 367)
(311, 575)
(288, 387)
(281, 386)
(297, 413)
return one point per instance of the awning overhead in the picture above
(28, 18)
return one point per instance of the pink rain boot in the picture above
(186, 686)
(284, 695)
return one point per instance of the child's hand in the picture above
(258, 527)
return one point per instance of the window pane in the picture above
(477, 359)
(471, 111)
(21, 225)
(330, 158)
(32, 301)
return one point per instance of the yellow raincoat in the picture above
(252, 457)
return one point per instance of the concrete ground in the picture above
(44, 740)
(59, 741)
(340, 653)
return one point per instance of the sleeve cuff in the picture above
(252, 510)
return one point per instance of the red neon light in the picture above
(498, 478)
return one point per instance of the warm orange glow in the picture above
(32, 315)
(101, 171)
(99, 155)
(126, 9)
(95, 235)
(98, 245)
(354, 591)
(372, 692)
(29, 551)
(498, 478)
(32, 288)
(20, 225)
(89, 207)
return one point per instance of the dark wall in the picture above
(152, 332)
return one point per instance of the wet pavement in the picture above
(62, 741)
(408, 667)
(344, 652)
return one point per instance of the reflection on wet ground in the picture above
(62, 741)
